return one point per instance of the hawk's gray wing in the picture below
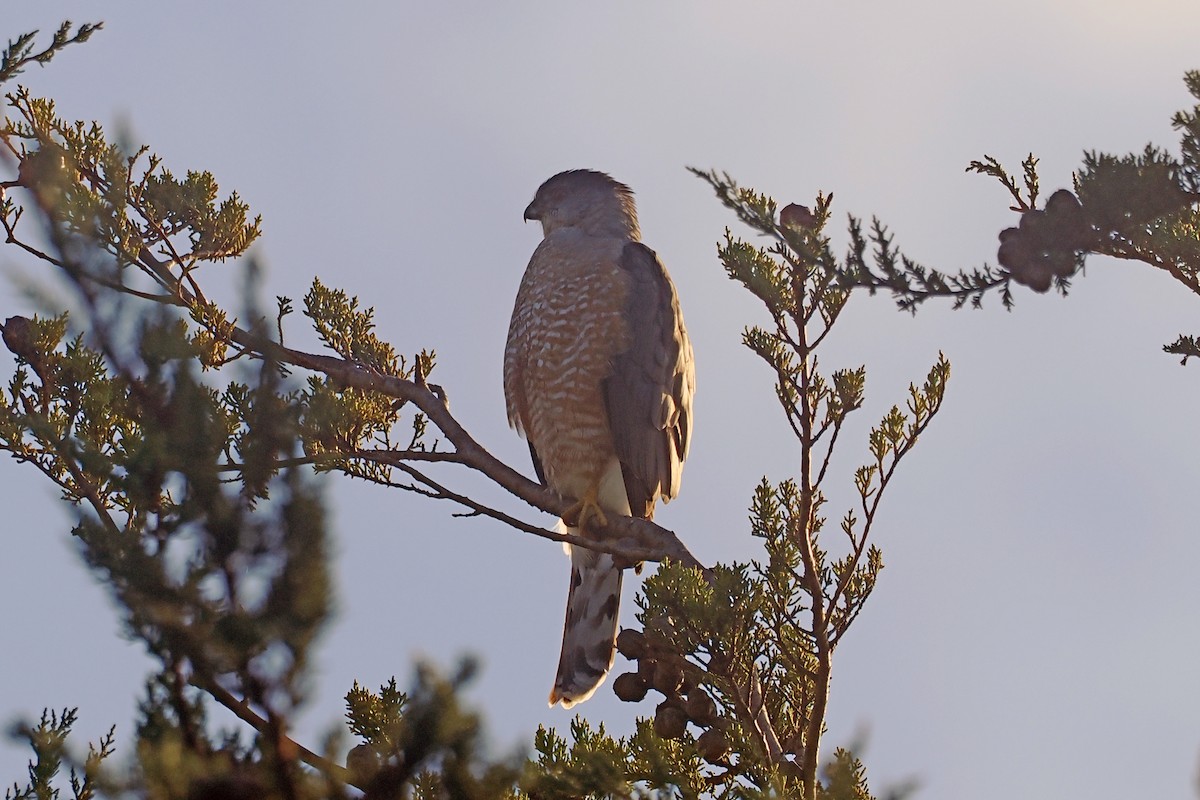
(648, 396)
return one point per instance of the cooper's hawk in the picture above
(598, 376)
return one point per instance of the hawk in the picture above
(598, 377)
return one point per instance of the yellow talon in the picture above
(586, 513)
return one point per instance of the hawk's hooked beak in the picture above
(532, 212)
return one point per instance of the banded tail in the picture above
(590, 629)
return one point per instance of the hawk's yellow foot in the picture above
(586, 512)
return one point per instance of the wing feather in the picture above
(648, 395)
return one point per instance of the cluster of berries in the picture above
(795, 215)
(1046, 242)
(685, 700)
(19, 338)
(46, 173)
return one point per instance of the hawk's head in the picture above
(588, 200)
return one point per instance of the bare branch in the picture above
(245, 713)
(632, 538)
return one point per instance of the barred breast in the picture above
(566, 327)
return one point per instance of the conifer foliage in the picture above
(1141, 206)
(186, 438)
(186, 435)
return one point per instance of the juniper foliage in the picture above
(186, 435)
(1142, 206)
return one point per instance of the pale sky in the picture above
(1034, 632)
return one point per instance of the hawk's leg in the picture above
(586, 512)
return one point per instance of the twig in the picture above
(242, 711)
(619, 547)
(762, 720)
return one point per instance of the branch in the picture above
(629, 537)
(242, 711)
(19, 54)
(1125, 249)
(762, 720)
